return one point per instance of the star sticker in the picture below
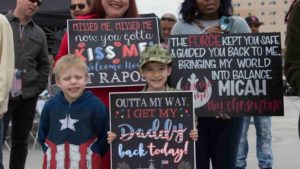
(68, 122)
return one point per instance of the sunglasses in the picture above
(168, 19)
(80, 6)
(38, 3)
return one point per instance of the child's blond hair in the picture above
(67, 62)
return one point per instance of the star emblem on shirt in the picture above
(68, 123)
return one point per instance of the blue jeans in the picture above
(263, 142)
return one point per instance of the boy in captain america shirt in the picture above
(73, 123)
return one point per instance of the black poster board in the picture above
(152, 130)
(234, 74)
(111, 48)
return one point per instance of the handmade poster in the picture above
(111, 48)
(233, 74)
(152, 130)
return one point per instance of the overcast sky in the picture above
(158, 7)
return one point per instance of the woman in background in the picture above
(110, 9)
(116, 9)
(218, 137)
(107, 9)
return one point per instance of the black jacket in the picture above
(31, 56)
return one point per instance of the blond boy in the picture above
(74, 122)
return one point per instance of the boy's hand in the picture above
(194, 134)
(44, 147)
(111, 136)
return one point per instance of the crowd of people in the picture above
(25, 68)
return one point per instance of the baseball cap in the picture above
(168, 17)
(155, 53)
(253, 20)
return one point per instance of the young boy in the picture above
(73, 123)
(155, 67)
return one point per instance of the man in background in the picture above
(262, 125)
(31, 77)
(167, 21)
(7, 65)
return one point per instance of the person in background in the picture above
(218, 137)
(155, 67)
(262, 125)
(292, 42)
(167, 22)
(80, 9)
(31, 77)
(77, 8)
(7, 65)
(116, 9)
(74, 123)
(108, 9)
(253, 23)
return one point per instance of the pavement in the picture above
(286, 143)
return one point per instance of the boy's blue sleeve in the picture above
(101, 124)
(44, 127)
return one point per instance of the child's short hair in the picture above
(67, 62)
(155, 53)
